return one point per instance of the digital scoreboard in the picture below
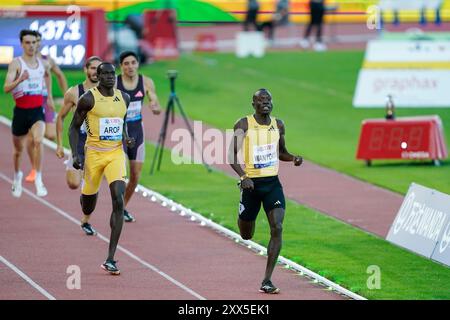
(66, 44)
(67, 35)
(403, 138)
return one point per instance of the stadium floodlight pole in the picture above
(170, 111)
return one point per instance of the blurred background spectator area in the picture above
(211, 25)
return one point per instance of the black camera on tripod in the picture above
(170, 111)
(172, 75)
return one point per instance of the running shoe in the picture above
(41, 191)
(16, 188)
(110, 266)
(87, 228)
(268, 287)
(128, 217)
(320, 47)
(304, 43)
(31, 177)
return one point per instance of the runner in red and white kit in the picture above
(24, 79)
(49, 111)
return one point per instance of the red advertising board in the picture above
(403, 138)
(160, 33)
(206, 42)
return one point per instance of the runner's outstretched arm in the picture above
(150, 91)
(129, 141)
(69, 99)
(12, 80)
(284, 154)
(49, 85)
(85, 104)
(60, 77)
(240, 128)
(236, 144)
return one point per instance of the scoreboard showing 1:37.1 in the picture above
(62, 39)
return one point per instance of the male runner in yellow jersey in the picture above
(262, 139)
(71, 97)
(73, 176)
(104, 109)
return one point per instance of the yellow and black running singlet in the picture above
(104, 122)
(261, 148)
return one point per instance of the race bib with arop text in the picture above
(110, 129)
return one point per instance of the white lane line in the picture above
(27, 278)
(99, 235)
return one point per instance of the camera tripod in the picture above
(170, 111)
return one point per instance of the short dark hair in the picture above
(125, 54)
(37, 34)
(259, 91)
(26, 32)
(92, 59)
(100, 66)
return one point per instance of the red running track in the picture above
(162, 256)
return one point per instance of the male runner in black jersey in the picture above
(137, 86)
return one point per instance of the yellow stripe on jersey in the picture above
(104, 122)
(261, 148)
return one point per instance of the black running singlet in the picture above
(134, 111)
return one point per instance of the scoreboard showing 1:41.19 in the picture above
(63, 39)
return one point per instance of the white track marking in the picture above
(27, 279)
(99, 235)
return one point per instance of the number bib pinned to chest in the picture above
(134, 111)
(265, 155)
(111, 129)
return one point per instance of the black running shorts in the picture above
(136, 130)
(268, 191)
(24, 119)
